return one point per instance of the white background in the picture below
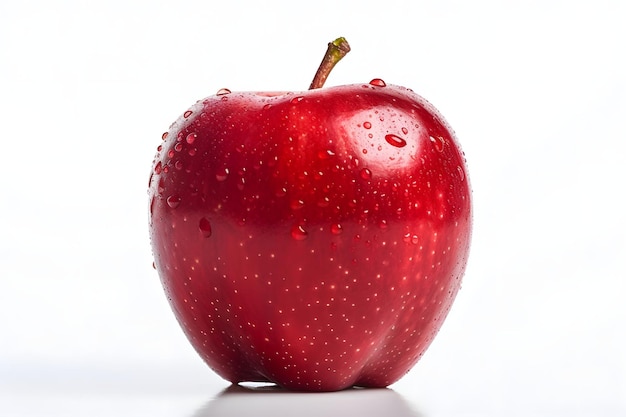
(535, 90)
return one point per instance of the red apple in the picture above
(315, 239)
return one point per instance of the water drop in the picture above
(223, 91)
(170, 153)
(205, 227)
(173, 201)
(324, 202)
(178, 147)
(222, 174)
(164, 135)
(410, 238)
(158, 168)
(367, 125)
(159, 148)
(296, 100)
(191, 138)
(378, 82)
(405, 130)
(461, 172)
(438, 142)
(383, 224)
(336, 229)
(178, 165)
(267, 106)
(296, 204)
(366, 174)
(298, 233)
(187, 114)
(395, 140)
(325, 154)
(280, 192)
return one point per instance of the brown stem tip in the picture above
(337, 49)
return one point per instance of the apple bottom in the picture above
(316, 315)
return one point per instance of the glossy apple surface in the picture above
(315, 240)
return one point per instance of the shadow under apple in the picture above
(270, 400)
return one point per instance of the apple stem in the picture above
(337, 49)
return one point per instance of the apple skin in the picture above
(315, 240)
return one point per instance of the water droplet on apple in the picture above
(367, 125)
(191, 138)
(178, 147)
(324, 202)
(173, 201)
(187, 114)
(378, 82)
(296, 204)
(192, 151)
(298, 233)
(280, 192)
(461, 172)
(336, 229)
(164, 135)
(383, 224)
(395, 140)
(405, 130)
(223, 91)
(158, 168)
(222, 174)
(438, 142)
(296, 100)
(325, 154)
(205, 227)
(178, 165)
(410, 238)
(366, 174)
(267, 106)
(170, 153)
